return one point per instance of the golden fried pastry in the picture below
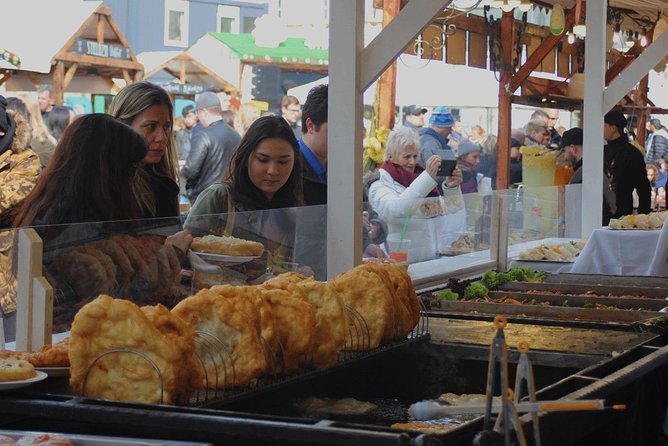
(227, 245)
(403, 323)
(124, 269)
(107, 324)
(83, 273)
(128, 244)
(223, 327)
(44, 440)
(249, 300)
(182, 336)
(55, 355)
(106, 261)
(424, 427)
(295, 318)
(331, 321)
(367, 294)
(284, 278)
(12, 369)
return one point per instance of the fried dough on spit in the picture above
(403, 322)
(295, 319)
(217, 319)
(365, 292)
(182, 336)
(282, 279)
(107, 324)
(249, 300)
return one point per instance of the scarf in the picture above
(404, 177)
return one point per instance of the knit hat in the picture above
(441, 117)
(572, 136)
(414, 110)
(4, 118)
(616, 118)
(207, 99)
(467, 146)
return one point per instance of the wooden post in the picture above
(29, 257)
(42, 313)
(58, 78)
(505, 121)
(388, 80)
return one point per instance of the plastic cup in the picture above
(400, 255)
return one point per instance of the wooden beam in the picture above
(387, 85)
(99, 28)
(621, 63)
(643, 87)
(537, 56)
(85, 59)
(505, 122)
(182, 70)
(71, 71)
(4, 77)
(126, 77)
(386, 46)
(58, 87)
(635, 72)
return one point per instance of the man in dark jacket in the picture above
(210, 149)
(624, 166)
(313, 145)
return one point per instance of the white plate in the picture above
(7, 385)
(230, 260)
(54, 371)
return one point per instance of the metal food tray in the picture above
(98, 440)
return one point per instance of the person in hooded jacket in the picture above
(434, 139)
(19, 171)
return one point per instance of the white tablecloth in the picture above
(618, 252)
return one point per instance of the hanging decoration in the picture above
(10, 57)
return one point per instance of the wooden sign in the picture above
(97, 49)
(558, 20)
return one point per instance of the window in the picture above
(228, 18)
(177, 17)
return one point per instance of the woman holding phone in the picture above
(407, 194)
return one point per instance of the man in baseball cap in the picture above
(414, 116)
(624, 166)
(571, 144)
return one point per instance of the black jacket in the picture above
(626, 165)
(210, 152)
(315, 190)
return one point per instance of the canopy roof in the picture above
(292, 52)
(184, 67)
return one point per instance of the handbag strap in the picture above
(229, 225)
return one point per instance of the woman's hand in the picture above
(455, 179)
(374, 251)
(433, 163)
(181, 240)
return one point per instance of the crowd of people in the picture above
(139, 161)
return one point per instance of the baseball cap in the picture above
(616, 118)
(441, 117)
(207, 99)
(414, 110)
(572, 136)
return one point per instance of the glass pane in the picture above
(175, 18)
(226, 24)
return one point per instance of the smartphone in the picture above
(446, 168)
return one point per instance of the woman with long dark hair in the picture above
(90, 176)
(264, 173)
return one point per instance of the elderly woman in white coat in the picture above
(407, 193)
